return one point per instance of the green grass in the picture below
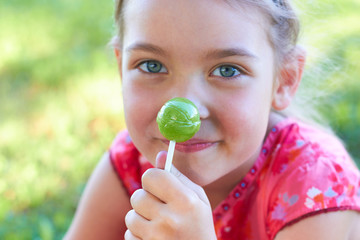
(60, 107)
(60, 100)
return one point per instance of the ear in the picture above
(288, 79)
(118, 55)
(116, 45)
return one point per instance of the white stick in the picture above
(170, 155)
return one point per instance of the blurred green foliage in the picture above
(60, 99)
(60, 107)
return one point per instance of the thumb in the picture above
(160, 160)
(190, 184)
(160, 163)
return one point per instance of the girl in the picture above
(250, 172)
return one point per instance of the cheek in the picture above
(140, 109)
(246, 115)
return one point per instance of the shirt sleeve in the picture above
(308, 178)
(124, 159)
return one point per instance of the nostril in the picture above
(203, 111)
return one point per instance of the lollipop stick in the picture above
(170, 155)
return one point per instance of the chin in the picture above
(201, 177)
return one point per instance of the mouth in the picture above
(192, 145)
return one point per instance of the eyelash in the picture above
(147, 70)
(239, 71)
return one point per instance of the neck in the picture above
(218, 190)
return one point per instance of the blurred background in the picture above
(60, 99)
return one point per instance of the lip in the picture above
(192, 145)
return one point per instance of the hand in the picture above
(170, 206)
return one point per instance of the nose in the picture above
(193, 89)
(203, 109)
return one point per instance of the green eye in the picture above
(152, 66)
(226, 71)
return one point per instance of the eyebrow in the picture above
(146, 47)
(229, 52)
(214, 53)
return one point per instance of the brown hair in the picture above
(284, 23)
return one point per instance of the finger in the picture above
(136, 223)
(161, 159)
(172, 187)
(160, 163)
(146, 204)
(157, 183)
(198, 190)
(129, 236)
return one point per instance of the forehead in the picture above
(194, 22)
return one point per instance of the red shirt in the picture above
(301, 171)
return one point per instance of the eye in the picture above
(152, 66)
(226, 71)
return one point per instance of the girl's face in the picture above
(214, 54)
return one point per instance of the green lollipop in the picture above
(178, 121)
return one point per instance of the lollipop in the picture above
(178, 121)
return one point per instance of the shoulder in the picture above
(103, 206)
(308, 173)
(332, 226)
(298, 144)
(127, 162)
(308, 155)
